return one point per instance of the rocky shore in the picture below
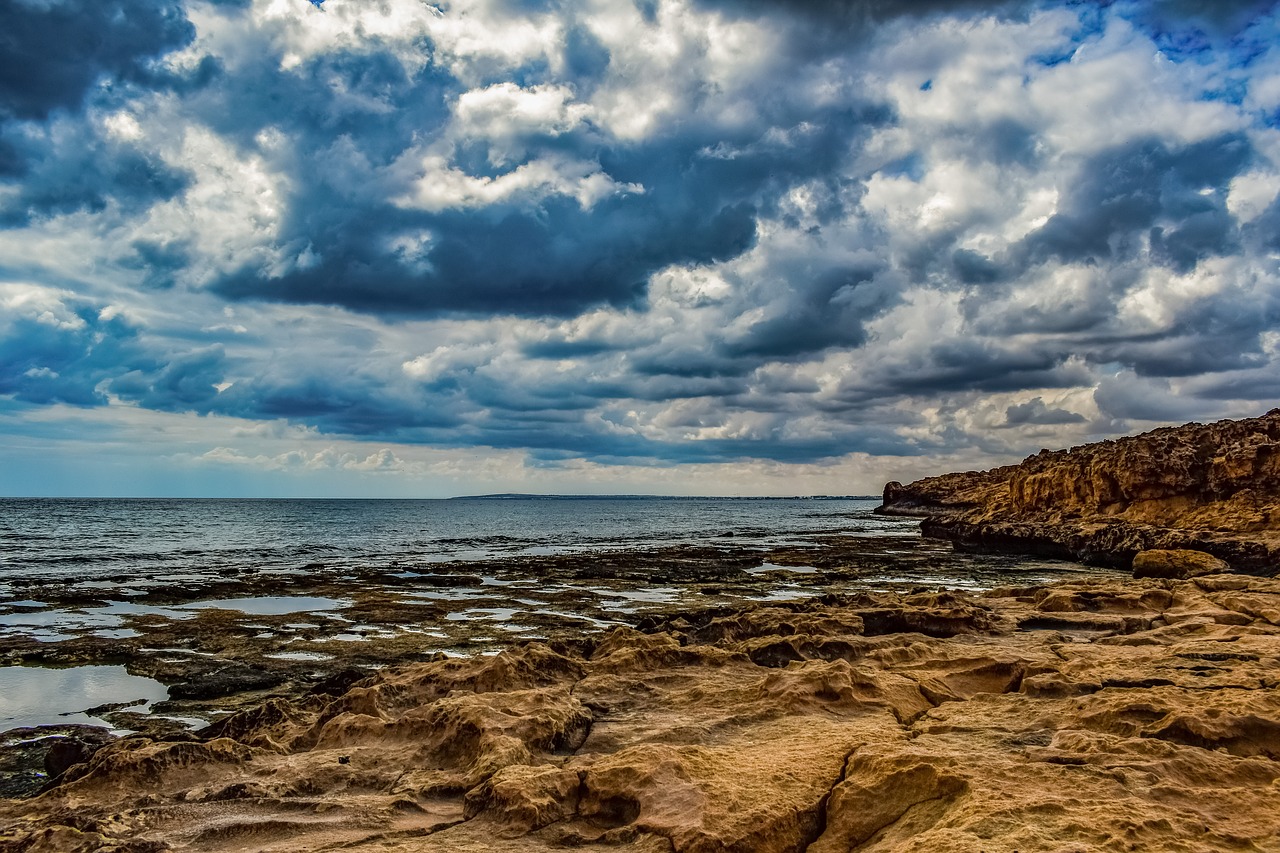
(1213, 488)
(320, 627)
(1087, 715)
(1101, 712)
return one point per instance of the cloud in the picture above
(648, 234)
(1175, 199)
(1035, 411)
(96, 43)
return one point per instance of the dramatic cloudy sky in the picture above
(390, 247)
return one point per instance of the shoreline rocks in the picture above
(1213, 488)
(1099, 714)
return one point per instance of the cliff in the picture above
(1206, 487)
(1099, 715)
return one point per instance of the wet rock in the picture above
(523, 798)
(225, 681)
(31, 758)
(339, 682)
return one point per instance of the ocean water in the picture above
(101, 539)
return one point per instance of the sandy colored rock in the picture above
(1213, 488)
(1181, 564)
(1089, 715)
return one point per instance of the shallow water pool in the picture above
(42, 696)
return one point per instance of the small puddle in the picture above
(463, 594)
(786, 594)
(499, 614)
(311, 656)
(581, 617)
(657, 595)
(774, 567)
(276, 605)
(43, 696)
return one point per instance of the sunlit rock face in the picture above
(1206, 487)
(1094, 714)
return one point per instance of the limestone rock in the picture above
(1205, 487)
(523, 798)
(1094, 714)
(1159, 563)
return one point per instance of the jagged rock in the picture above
(1176, 564)
(1094, 714)
(524, 797)
(1213, 488)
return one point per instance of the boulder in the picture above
(1178, 564)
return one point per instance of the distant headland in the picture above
(1213, 488)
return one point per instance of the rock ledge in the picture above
(1213, 488)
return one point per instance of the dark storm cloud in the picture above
(552, 258)
(73, 169)
(1035, 411)
(355, 404)
(56, 56)
(960, 366)
(1128, 397)
(1146, 189)
(183, 381)
(1219, 19)
(1258, 384)
(859, 14)
(829, 310)
(54, 51)
(78, 354)
(1216, 333)
(975, 268)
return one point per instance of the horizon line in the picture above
(491, 496)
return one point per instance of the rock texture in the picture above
(1213, 488)
(1091, 715)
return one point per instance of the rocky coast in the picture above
(1213, 488)
(1088, 715)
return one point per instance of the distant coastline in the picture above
(516, 496)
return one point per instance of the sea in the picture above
(53, 538)
(72, 569)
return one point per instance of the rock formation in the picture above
(1213, 488)
(1090, 715)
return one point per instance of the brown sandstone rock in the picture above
(1213, 488)
(523, 797)
(1090, 715)
(1176, 564)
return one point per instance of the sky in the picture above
(390, 248)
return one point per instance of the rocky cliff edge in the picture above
(1204, 487)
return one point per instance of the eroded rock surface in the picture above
(1099, 715)
(1213, 488)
